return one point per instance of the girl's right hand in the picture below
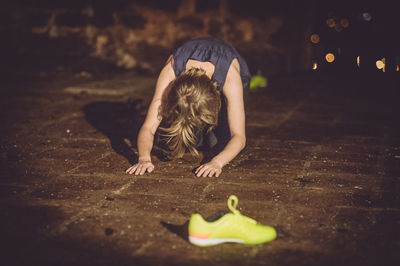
(141, 167)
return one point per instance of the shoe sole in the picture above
(212, 241)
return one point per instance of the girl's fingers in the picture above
(128, 170)
(131, 169)
(199, 168)
(198, 171)
(211, 173)
(202, 172)
(214, 171)
(140, 169)
(149, 168)
(143, 170)
(218, 173)
(207, 172)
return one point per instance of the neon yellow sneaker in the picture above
(228, 227)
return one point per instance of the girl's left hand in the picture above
(209, 169)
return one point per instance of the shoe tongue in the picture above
(216, 216)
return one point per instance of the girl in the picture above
(199, 97)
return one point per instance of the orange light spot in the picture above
(344, 22)
(384, 64)
(315, 38)
(330, 57)
(380, 64)
(315, 66)
(338, 28)
(358, 61)
(330, 22)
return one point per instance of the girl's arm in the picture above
(147, 131)
(233, 91)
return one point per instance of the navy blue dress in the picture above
(221, 55)
(216, 51)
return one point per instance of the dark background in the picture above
(287, 49)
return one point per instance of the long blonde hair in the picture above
(189, 105)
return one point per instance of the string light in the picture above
(315, 66)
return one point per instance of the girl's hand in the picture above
(209, 169)
(141, 167)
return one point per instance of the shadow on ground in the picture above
(119, 121)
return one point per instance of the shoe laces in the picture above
(232, 204)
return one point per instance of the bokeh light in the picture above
(330, 22)
(315, 38)
(315, 66)
(366, 16)
(338, 28)
(358, 61)
(344, 22)
(330, 57)
(380, 64)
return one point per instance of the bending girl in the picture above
(199, 99)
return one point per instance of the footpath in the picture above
(322, 166)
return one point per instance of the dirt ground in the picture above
(322, 166)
